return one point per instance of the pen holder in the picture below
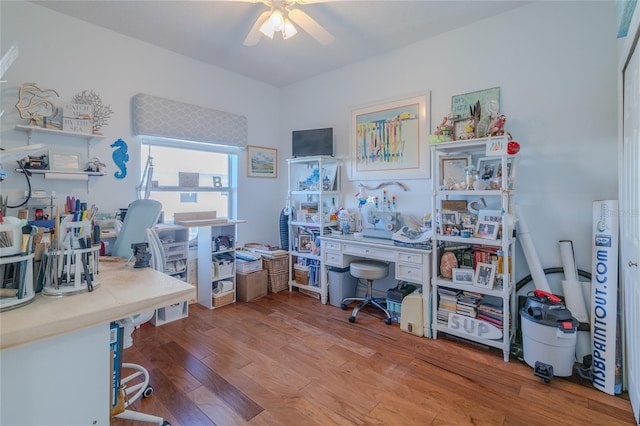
(10, 236)
(72, 232)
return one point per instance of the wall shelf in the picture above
(30, 130)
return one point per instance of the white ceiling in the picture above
(213, 31)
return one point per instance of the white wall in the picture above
(68, 55)
(555, 63)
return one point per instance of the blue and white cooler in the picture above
(548, 333)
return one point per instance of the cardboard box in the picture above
(251, 286)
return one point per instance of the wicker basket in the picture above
(222, 299)
(301, 275)
(278, 273)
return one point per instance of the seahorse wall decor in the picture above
(120, 158)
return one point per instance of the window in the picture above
(186, 178)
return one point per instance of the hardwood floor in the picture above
(286, 359)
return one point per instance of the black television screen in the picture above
(312, 142)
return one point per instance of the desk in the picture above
(54, 352)
(411, 264)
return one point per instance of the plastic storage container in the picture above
(548, 333)
(341, 285)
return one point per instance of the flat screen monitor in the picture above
(312, 142)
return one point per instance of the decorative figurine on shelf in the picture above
(34, 104)
(475, 113)
(95, 165)
(443, 131)
(100, 113)
(496, 127)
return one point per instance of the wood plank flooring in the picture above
(286, 359)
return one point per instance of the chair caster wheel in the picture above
(352, 319)
(166, 423)
(344, 307)
(147, 392)
(387, 321)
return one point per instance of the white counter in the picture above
(54, 358)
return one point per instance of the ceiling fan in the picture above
(281, 17)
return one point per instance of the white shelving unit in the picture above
(61, 174)
(314, 186)
(216, 263)
(499, 197)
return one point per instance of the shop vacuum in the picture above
(548, 335)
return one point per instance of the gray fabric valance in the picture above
(165, 118)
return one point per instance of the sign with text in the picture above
(473, 327)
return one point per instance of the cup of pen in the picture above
(10, 236)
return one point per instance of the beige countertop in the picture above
(123, 291)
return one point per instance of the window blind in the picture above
(156, 117)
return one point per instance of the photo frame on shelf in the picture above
(262, 162)
(64, 161)
(452, 168)
(389, 139)
(463, 275)
(484, 275)
(304, 243)
(449, 218)
(463, 129)
(330, 172)
(491, 167)
(487, 230)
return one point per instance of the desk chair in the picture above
(368, 270)
(141, 214)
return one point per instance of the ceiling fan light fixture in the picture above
(267, 28)
(277, 20)
(289, 30)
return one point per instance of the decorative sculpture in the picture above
(34, 104)
(101, 113)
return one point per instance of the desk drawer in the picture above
(409, 258)
(331, 245)
(335, 258)
(409, 273)
(372, 253)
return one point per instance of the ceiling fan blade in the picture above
(254, 35)
(312, 27)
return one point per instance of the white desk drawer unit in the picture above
(410, 258)
(409, 273)
(369, 253)
(334, 258)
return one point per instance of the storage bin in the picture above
(278, 272)
(341, 285)
(252, 285)
(245, 266)
(301, 274)
(412, 319)
(222, 299)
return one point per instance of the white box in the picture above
(245, 266)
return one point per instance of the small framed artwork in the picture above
(64, 161)
(461, 129)
(484, 275)
(449, 218)
(463, 275)
(453, 169)
(304, 243)
(262, 162)
(486, 230)
(491, 167)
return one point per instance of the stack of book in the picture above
(490, 313)
(448, 301)
(467, 303)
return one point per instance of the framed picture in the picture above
(262, 162)
(486, 230)
(489, 102)
(389, 139)
(463, 129)
(449, 218)
(484, 275)
(64, 161)
(452, 169)
(463, 275)
(304, 243)
(490, 167)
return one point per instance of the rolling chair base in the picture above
(378, 303)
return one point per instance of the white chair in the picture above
(136, 382)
